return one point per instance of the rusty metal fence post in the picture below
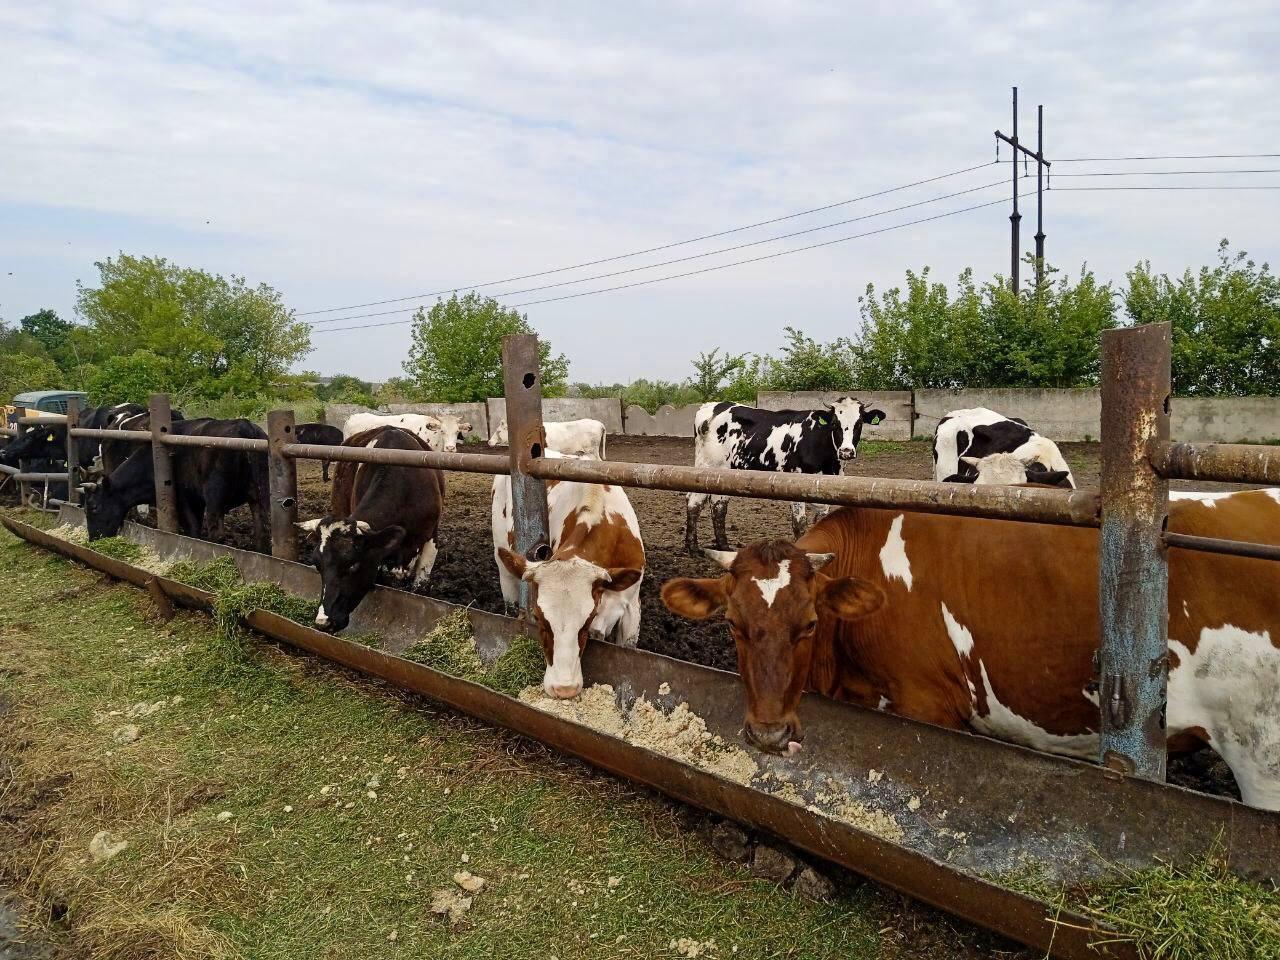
(166, 493)
(522, 385)
(73, 466)
(1133, 566)
(283, 472)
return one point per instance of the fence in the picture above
(1131, 508)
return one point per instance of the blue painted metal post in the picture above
(522, 383)
(1133, 560)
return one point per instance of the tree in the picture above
(132, 379)
(20, 372)
(805, 364)
(1226, 324)
(218, 334)
(456, 355)
(52, 333)
(710, 370)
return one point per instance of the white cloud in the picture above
(349, 152)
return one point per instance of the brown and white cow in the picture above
(993, 626)
(588, 587)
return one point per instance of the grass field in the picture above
(289, 810)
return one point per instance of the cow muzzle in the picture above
(782, 738)
(848, 453)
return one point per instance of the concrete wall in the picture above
(475, 414)
(895, 403)
(608, 410)
(1058, 414)
(337, 414)
(1226, 419)
(669, 421)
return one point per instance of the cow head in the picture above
(1010, 470)
(104, 509)
(566, 595)
(38, 441)
(773, 596)
(499, 436)
(849, 415)
(446, 432)
(348, 554)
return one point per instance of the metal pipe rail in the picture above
(1230, 548)
(1075, 508)
(54, 419)
(1223, 462)
(60, 477)
(246, 444)
(10, 471)
(96, 433)
(466, 462)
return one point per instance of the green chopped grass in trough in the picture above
(313, 814)
(521, 666)
(118, 548)
(450, 647)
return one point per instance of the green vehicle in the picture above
(48, 401)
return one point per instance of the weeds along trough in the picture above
(915, 807)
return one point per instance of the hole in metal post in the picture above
(1168, 405)
(529, 380)
(541, 551)
(535, 451)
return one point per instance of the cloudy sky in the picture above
(352, 152)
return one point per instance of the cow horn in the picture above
(87, 487)
(723, 557)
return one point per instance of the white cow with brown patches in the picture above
(588, 587)
(993, 626)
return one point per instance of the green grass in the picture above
(339, 872)
(119, 548)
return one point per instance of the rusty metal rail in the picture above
(1230, 548)
(97, 433)
(466, 462)
(1223, 462)
(244, 444)
(1077, 508)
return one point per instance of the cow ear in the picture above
(516, 565)
(464, 428)
(848, 598)
(971, 461)
(1057, 478)
(620, 578)
(309, 527)
(696, 599)
(872, 416)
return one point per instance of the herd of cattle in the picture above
(980, 624)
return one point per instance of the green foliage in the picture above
(52, 333)
(456, 355)
(130, 379)
(1226, 324)
(649, 394)
(346, 389)
(217, 335)
(20, 372)
(805, 364)
(1047, 336)
(710, 370)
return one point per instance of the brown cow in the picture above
(993, 626)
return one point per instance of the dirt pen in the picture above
(1135, 465)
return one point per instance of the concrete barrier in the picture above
(669, 421)
(1226, 419)
(337, 414)
(896, 404)
(1058, 414)
(608, 410)
(475, 414)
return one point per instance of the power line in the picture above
(665, 246)
(695, 256)
(722, 266)
(1179, 187)
(1161, 173)
(1184, 156)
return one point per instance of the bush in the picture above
(20, 372)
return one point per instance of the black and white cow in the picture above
(981, 446)
(209, 482)
(322, 435)
(737, 437)
(382, 518)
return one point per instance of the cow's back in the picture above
(413, 496)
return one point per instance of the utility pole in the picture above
(1015, 218)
